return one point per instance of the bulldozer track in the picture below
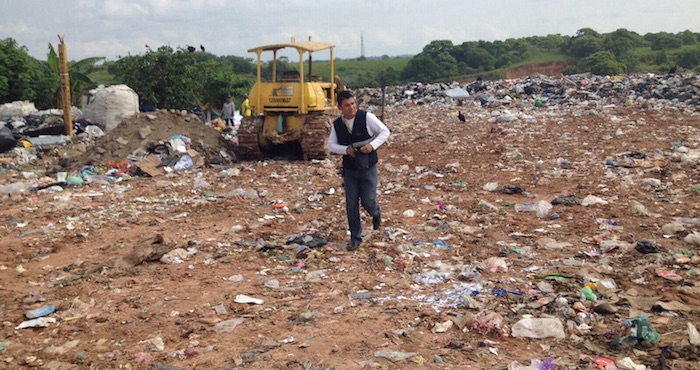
(314, 136)
(249, 136)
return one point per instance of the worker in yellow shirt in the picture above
(245, 107)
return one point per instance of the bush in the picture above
(603, 63)
(569, 70)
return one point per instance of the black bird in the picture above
(673, 69)
(201, 47)
(191, 49)
(461, 117)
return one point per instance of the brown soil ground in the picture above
(551, 69)
(92, 250)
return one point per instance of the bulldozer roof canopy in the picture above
(305, 46)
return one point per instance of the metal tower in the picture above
(362, 45)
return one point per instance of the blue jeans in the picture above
(360, 187)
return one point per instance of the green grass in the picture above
(102, 77)
(544, 58)
(354, 72)
(646, 51)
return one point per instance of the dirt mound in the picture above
(143, 129)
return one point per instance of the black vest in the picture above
(359, 133)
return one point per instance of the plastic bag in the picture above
(7, 139)
(543, 208)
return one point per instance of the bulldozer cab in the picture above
(297, 91)
(293, 109)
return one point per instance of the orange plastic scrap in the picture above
(670, 275)
(122, 166)
(605, 363)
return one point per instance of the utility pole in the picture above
(65, 87)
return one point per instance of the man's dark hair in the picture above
(345, 94)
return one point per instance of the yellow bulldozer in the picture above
(291, 111)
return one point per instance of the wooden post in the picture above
(65, 87)
(383, 97)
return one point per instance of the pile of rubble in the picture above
(581, 90)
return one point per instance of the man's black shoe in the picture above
(376, 222)
(354, 245)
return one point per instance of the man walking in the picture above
(357, 134)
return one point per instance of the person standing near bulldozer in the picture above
(356, 135)
(229, 111)
(245, 106)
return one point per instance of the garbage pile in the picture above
(145, 144)
(585, 90)
(555, 236)
(21, 124)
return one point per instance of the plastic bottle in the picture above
(525, 207)
(644, 329)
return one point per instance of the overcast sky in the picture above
(385, 27)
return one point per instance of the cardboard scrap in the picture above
(151, 165)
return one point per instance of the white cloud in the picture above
(123, 9)
(115, 27)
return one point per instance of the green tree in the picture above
(437, 47)
(661, 58)
(621, 41)
(666, 41)
(552, 42)
(518, 48)
(474, 57)
(388, 77)
(631, 63)
(496, 49)
(688, 38)
(23, 77)
(178, 79)
(585, 42)
(603, 63)
(587, 32)
(420, 68)
(569, 70)
(425, 68)
(283, 65)
(78, 73)
(239, 65)
(219, 83)
(689, 58)
(446, 65)
(585, 45)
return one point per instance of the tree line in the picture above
(618, 52)
(178, 78)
